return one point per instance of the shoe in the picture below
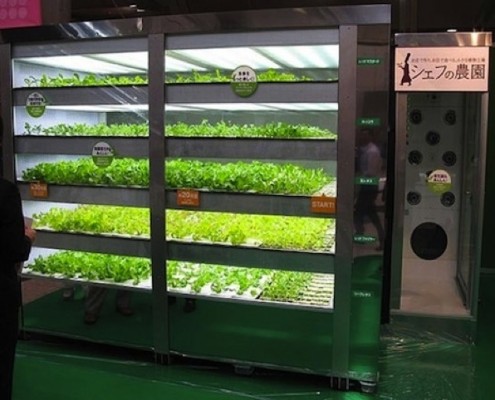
(68, 294)
(126, 311)
(90, 319)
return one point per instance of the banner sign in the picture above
(441, 69)
(20, 13)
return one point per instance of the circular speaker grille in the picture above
(415, 116)
(429, 241)
(449, 158)
(415, 157)
(432, 138)
(414, 198)
(448, 199)
(450, 117)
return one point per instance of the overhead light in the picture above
(102, 108)
(81, 64)
(176, 65)
(315, 107)
(266, 57)
(322, 56)
(228, 58)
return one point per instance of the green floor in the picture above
(411, 369)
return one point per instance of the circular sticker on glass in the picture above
(35, 105)
(103, 154)
(244, 82)
(439, 181)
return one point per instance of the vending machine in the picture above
(441, 85)
(206, 165)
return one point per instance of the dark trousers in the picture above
(365, 207)
(9, 327)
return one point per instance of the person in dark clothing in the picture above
(369, 167)
(15, 245)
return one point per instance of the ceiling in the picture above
(98, 9)
(109, 9)
(408, 15)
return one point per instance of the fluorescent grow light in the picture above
(81, 64)
(253, 107)
(304, 56)
(265, 57)
(102, 108)
(228, 58)
(175, 65)
(138, 60)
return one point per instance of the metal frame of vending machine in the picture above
(337, 61)
(441, 84)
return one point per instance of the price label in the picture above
(38, 190)
(323, 204)
(188, 197)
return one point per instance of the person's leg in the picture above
(94, 302)
(360, 208)
(123, 302)
(9, 323)
(371, 212)
(69, 290)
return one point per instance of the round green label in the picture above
(439, 181)
(103, 154)
(244, 81)
(35, 105)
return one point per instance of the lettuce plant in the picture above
(275, 130)
(240, 176)
(205, 279)
(268, 231)
(217, 76)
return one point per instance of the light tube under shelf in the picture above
(82, 64)
(174, 65)
(253, 107)
(229, 58)
(102, 108)
(305, 56)
(202, 107)
(262, 58)
(137, 59)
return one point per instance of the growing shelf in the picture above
(191, 280)
(107, 244)
(137, 113)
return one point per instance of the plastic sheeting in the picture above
(425, 366)
(413, 367)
